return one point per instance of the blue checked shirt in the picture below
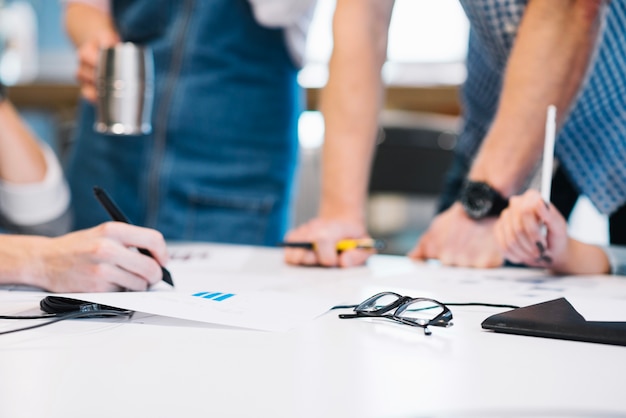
(591, 145)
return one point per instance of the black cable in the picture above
(44, 316)
(61, 308)
(71, 315)
(60, 304)
(489, 305)
(344, 307)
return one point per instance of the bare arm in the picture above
(547, 66)
(21, 159)
(90, 28)
(350, 102)
(34, 196)
(85, 21)
(93, 260)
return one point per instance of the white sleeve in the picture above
(104, 5)
(36, 203)
(280, 13)
(292, 15)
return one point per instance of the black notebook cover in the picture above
(556, 319)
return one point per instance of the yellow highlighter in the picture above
(363, 243)
(342, 245)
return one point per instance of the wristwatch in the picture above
(480, 200)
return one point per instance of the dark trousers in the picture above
(564, 196)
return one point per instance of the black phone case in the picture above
(63, 305)
(556, 319)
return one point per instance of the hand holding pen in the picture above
(531, 231)
(547, 167)
(526, 221)
(322, 242)
(369, 245)
(117, 215)
(341, 245)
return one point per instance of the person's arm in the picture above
(519, 234)
(547, 65)
(90, 27)
(22, 161)
(100, 259)
(350, 103)
(33, 190)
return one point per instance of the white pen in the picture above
(546, 169)
(548, 154)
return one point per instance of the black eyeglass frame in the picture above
(401, 304)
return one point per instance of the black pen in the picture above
(341, 245)
(117, 215)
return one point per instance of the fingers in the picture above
(353, 258)
(134, 271)
(114, 249)
(88, 57)
(125, 267)
(107, 39)
(103, 258)
(509, 239)
(422, 249)
(325, 234)
(323, 254)
(456, 240)
(86, 74)
(519, 230)
(302, 256)
(135, 236)
(113, 278)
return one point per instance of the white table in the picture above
(162, 367)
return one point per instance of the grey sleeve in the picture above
(55, 227)
(617, 259)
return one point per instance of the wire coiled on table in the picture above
(61, 308)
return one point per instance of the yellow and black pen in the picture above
(342, 245)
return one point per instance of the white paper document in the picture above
(261, 310)
(599, 309)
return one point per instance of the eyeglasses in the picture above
(416, 312)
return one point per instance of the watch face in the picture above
(477, 199)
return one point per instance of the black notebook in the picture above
(556, 319)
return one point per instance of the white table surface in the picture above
(162, 367)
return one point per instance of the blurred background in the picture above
(425, 67)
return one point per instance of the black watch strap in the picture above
(499, 204)
(480, 200)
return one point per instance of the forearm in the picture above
(547, 65)
(351, 102)
(582, 258)
(21, 159)
(85, 21)
(18, 261)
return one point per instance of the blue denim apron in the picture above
(219, 163)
